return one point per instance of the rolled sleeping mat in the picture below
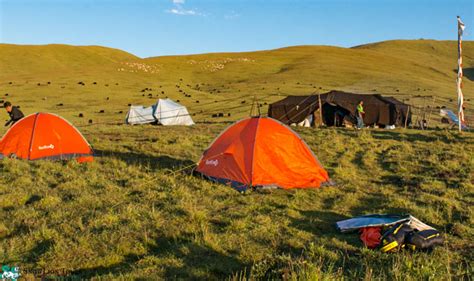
(394, 238)
(424, 240)
(418, 225)
(373, 220)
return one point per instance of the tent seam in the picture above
(32, 135)
(253, 151)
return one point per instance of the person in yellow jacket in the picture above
(360, 115)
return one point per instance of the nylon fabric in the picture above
(262, 152)
(45, 136)
(17, 140)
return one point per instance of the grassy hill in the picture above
(132, 213)
(220, 83)
(57, 61)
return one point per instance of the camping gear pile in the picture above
(398, 232)
(261, 152)
(339, 108)
(165, 112)
(45, 136)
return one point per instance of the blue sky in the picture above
(167, 27)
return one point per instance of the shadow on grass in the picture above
(123, 267)
(196, 262)
(322, 224)
(319, 223)
(162, 162)
(410, 135)
(38, 250)
(359, 158)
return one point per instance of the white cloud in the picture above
(181, 11)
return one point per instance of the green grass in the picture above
(132, 213)
(129, 215)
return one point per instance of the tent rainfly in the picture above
(45, 136)
(165, 112)
(261, 152)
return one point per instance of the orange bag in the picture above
(370, 236)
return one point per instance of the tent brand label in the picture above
(212, 162)
(50, 146)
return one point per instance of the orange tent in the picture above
(261, 152)
(45, 136)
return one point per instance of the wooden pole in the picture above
(424, 114)
(431, 107)
(415, 112)
(320, 109)
(406, 117)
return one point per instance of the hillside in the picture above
(57, 60)
(400, 68)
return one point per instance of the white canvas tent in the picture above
(140, 115)
(166, 112)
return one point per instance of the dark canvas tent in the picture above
(338, 106)
(294, 109)
(401, 111)
(377, 111)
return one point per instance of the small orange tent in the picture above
(45, 136)
(261, 152)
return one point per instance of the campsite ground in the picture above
(132, 214)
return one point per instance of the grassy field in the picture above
(130, 215)
(133, 214)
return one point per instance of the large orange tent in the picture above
(261, 152)
(45, 136)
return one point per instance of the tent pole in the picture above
(320, 110)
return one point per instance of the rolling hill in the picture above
(222, 82)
